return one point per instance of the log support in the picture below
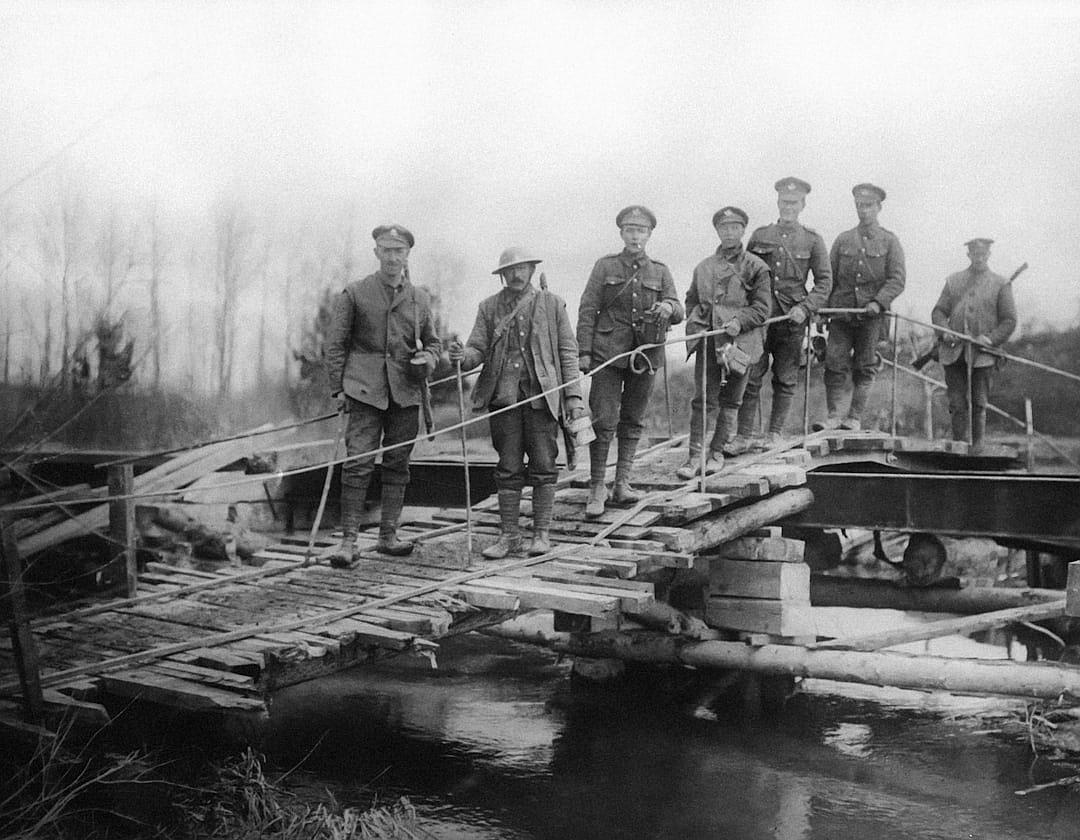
(13, 605)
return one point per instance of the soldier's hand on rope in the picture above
(456, 352)
(585, 362)
(873, 308)
(984, 341)
(797, 315)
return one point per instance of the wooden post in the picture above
(806, 379)
(13, 597)
(122, 523)
(928, 393)
(895, 371)
(1029, 425)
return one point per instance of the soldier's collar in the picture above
(730, 254)
(630, 258)
(392, 282)
(872, 227)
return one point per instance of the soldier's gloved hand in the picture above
(575, 408)
(732, 328)
(662, 309)
(341, 402)
(797, 315)
(456, 352)
(584, 362)
(873, 308)
(983, 341)
(429, 360)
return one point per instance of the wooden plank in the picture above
(740, 485)
(485, 598)
(779, 618)
(868, 442)
(773, 549)
(779, 476)
(751, 579)
(84, 712)
(149, 685)
(630, 600)
(673, 539)
(792, 457)
(208, 676)
(535, 595)
(691, 506)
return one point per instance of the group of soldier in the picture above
(751, 304)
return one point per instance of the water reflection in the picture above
(496, 744)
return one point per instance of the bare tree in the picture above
(156, 266)
(233, 234)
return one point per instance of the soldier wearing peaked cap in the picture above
(730, 292)
(868, 273)
(793, 253)
(979, 303)
(629, 300)
(380, 349)
(522, 336)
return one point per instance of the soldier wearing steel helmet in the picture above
(380, 348)
(523, 338)
(629, 300)
(868, 274)
(793, 252)
(978, 302)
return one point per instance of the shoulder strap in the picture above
(794, 262)
(501, 327)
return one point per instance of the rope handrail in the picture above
(262, 477)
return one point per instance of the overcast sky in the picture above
(480, 125)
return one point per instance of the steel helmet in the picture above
(515, 255)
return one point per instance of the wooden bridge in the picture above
(222, 641)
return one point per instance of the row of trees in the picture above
(217, 302)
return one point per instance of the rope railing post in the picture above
(806, 379)
(13, 605)
(1029, 429)
(464, 459)
(895, 372)
(928, 416)
(343, 417)
(122, 524)
(703, 350)
(969, 364)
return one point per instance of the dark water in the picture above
(497, 743)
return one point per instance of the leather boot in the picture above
(352, 507)
(393, 499)
(691, 467)
(781, 407)
(727, 422)
(834, 388)
(978, 427)
(623, 493)
(509, 541)
(598, 453)
(543, 500)
(859, 396)
(959, 421)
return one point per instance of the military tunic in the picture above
(725, 287)
(612, 316)
(791, 252)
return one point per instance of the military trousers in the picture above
(956, 381)
(525, 432)
(783, 347)
(852, 349)
(727, 398)
(370, 428)
(618, 398)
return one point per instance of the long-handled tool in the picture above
(464, 459)
(343, 417)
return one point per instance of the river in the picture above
(498, 743)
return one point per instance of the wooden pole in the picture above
(899, 670)
(928, 418)
(869, 593)
(703, 354)
(122, 523)
(806, 379)
(949, 627)
(1029, 427)
(465, 458)
(895, 372)
(13, 601)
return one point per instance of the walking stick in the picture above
(342, 418)
(465, 460)
(703, 352)
(667, 401)
(969, 363)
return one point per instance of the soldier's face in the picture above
(868, 210)
(635, 237)
(517, 277)
(730, 234)
(979, 256)
(790, 207)
(392, 259)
